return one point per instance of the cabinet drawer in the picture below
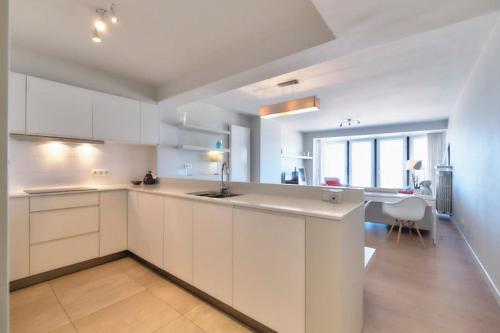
(61, 201)
(63, 252)
(55, 224)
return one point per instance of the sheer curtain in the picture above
(436, 146)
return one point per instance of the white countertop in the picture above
(283, 204)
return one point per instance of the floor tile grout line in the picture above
(62, 306)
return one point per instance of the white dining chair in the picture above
(407, 212)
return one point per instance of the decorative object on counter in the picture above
(412, 166)
(215, 156)
(332, 181)
(218, 144)
(349, 122)
(136, 182)
(149, 178)
(425, 187)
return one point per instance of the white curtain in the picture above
(436, 146)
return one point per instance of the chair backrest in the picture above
(408, 209)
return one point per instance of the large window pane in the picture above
(362, 163)
(334, 161)
(392, 163)
(418, 151)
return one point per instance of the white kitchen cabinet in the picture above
(19, 238)
(150, 124)
(133, 224)
(269, 268)
(17, 103)
(116, 118)
(145, 228)
(57, 109)
(212, 250)
(55, 224)
(63, 252)
(113, 222)
(178, 256)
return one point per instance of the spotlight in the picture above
(96, 38)
(99, 24)
(112, 14)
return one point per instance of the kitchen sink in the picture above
(214, 194)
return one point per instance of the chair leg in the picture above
(390, 230)
(399, 233)
(419, 236)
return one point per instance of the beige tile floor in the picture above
(408, 290)
(122, 296)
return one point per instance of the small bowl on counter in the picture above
(136, 182)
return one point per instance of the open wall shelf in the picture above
(200, 148)
(203, 129)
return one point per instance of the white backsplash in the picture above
(33, 164)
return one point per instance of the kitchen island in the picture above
(277, 257)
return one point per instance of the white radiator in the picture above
(444, 189)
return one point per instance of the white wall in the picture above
(4, 67)
(61, 70)
(171, 160)
(474, 135)
(34, 164)
(291, 144)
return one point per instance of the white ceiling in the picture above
(160, 40)
(413, 79)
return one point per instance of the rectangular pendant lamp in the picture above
(295, 106)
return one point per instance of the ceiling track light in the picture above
(100, 24)
(96, 38)
(349, 122)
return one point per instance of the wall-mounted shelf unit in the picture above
(200, 148)
(299, 157)
(203, 129)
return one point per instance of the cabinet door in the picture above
(17, 103)
(19, 238)
(150, 124)
(178, 238)
(116, 118)
(58, 109)
(133, 225)
(113, 222)
(212, 250)
(269, 268)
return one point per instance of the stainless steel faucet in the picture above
(224, 188)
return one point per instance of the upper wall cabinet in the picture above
(150, 124)
(116, 118)
(58, 109)
(17, 103)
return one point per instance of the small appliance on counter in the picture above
(149, 178)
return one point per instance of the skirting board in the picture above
(494, 289)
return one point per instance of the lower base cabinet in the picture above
(63, 252)
(213, 250)
(269, 268)
(19, 246)
(113, 222)
(145, 226)
(178, 239)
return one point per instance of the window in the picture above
(361, 162)
(368, 162)
(418, 149)
(391, 162)
(334, 162)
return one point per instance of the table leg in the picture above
(434, 225)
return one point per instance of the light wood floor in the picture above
(433, 290)
(408, 290)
